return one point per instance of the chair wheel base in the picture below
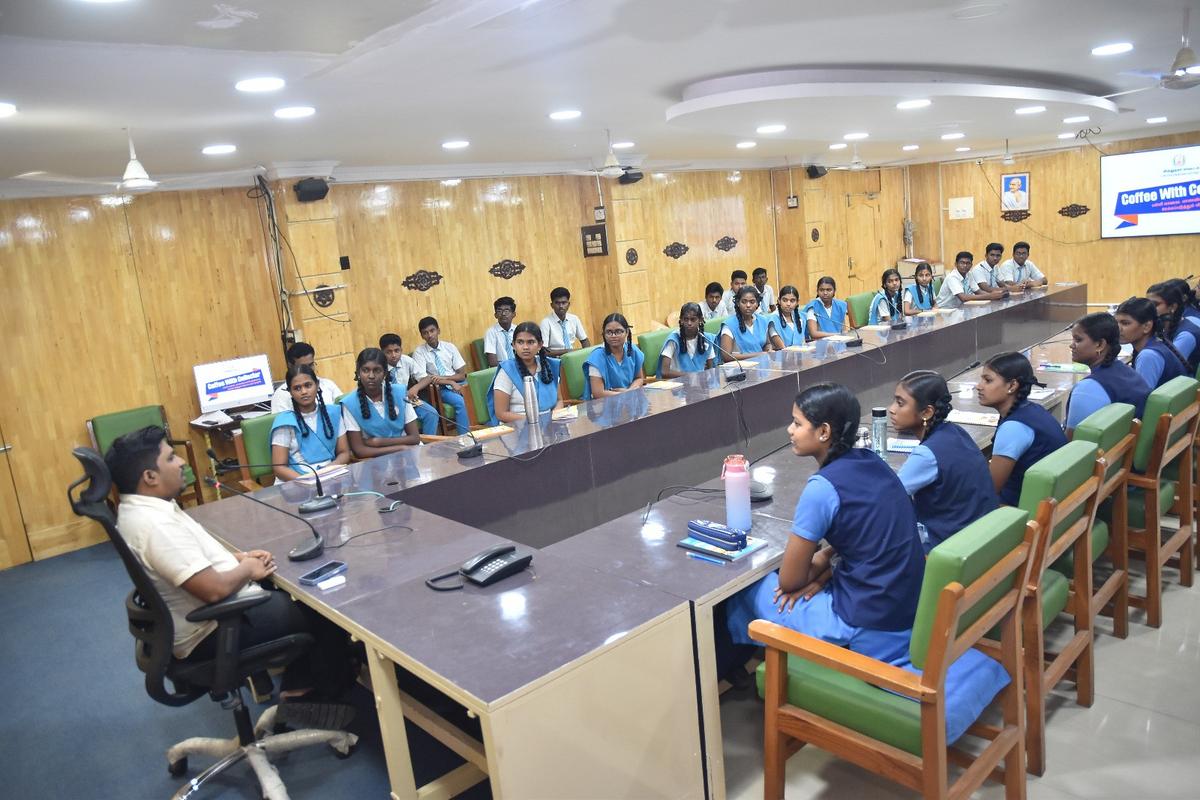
(178, 768)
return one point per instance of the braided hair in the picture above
(1142, 310)
(895, 304)
(923, 266)
(701, 339)
(373, 355)
(1185, 291)
(1102, 327)
(737, 306)
(928, 388)
(296, 370)
(783, 321)
(834, 405)
(619, 318)
(544, 373)
(1171, 295)
(1014, 367)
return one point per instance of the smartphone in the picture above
(326, 570)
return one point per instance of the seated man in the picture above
(411, 378)
(1019, 272)
(303, 353)
(984, 275)
(956, 289)
(445, 364)
(189, 568)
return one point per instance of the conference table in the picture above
(592, 673)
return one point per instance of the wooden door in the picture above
(863, 245)
(14, 545)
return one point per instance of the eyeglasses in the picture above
(615, 334)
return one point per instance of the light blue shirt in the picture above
(920, 470)
(1012, 439)
(816, 509)
(1185, 342)
(1087, 398)
(1149, 365)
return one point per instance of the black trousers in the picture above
(325, 666)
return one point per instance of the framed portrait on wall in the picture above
(1014, 189)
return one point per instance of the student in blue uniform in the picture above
(825, 315)
(920, 296)
(1154, 357)
(378, 418)
(1026, 433)
(858, 506)
(1096, 342)
(616, 366)
(789, 322)
(689, 349)
(505, 397)
(888, 303)
(946, 474)
(410, 377)
(746, 333)
(311, 433)
(1180, 325)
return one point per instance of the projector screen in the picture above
(1151, 193)
(229, 384)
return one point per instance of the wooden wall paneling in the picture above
(78, 347)
(14, 544)
(314, 249)
(926, 212)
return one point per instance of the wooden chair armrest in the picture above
(1141, 481)
(847, 662)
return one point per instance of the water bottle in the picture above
(530, 398)
(736, 474)
(879, 431)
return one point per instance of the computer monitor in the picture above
(233, 383)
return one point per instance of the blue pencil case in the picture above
(717, 534)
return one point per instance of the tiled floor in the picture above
(1140, 739)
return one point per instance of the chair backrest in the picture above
(1112, 430)
(149, 618)
(478, 383)
(987, 562)
(477, 354)
(713, 326)
(1068, 476)
(107, 428)
(572, 370)
(1174, 399)
(256, 438)
(937, 285)
(860, 308)
(651, 345)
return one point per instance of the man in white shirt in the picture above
(955, 290)
(766, 295)
(737, 279)
(1019, 272)
(190, 569)
(448, 369)
(404, 370)
(497, 340)
(711, 307)
(298, 354)
(1015, 199)
(984, 274)
(560, 330)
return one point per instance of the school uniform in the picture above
(510, 381)
(1186, 340)
(752, 340)
(562, 334)
(858, 505)
(498, 342)
(1010, 271)
(948, 478)
(793, 333)
(1156, 364)
(1115, 382)
(616, 375)
(281, 400)
(982, 273)
(711, 313)
(405, 371)
(316, 448)
(689, 358)
(923, 300)
(885, 308)
(829, 320)
(445, 360)
(1028, 434)
(766, 298)
(954, 284)
(377, 423)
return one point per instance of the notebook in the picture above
(987, 418)
(664, 385)
(752, 544)
(898, 445)
(1082, 369)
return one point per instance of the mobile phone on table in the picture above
(326, 570)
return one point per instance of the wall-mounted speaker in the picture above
(310, 190)
(815, 172)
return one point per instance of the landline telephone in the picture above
(485, 568)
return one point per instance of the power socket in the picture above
(793, 201)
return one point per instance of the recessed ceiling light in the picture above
(911, 147)
(949, 137)
(1075, 120)
(1156, 120)
(295, 112)
(566, 113)
(838, 146)
(854, 137)
(103, 2)
(455, 144)
(622, 145)
(658, 175)
(962, 149)
(773, 128)
(7, 109)
(1030, 110)
(906, 105)
(260, 85)
(1066, 135)
(746, 145)
(452, 182)
(1114, 49)
(219, 149)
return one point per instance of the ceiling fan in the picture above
(1184, 72)
(856, 163)
(612, 166)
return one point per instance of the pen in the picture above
(709, 559)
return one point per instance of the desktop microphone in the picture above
(319, 503)
(898, 321)
(857, 341)
(301, 552)
(474, 450)
(737, 376)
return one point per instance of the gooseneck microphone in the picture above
(301, 552)
(319, 503)
(735, 377)
(473, 450)
(857, 341)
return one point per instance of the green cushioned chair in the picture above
(860, 308)
(651, 345)
(1164, 447)
(937, 285)
(478, 355)
(1060, 492)
(572, 370)
(713, 326)
(478, 383)
(107, 428)
(819, 693)
(254, 447)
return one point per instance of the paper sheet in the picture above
(801, 348)
(566, 412)
(988, 418)
(875, 328)
(839, 337)
(664, 385)
(901, 445)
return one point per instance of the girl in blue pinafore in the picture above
(616, 365)
(505, 397)
(689, 349)
(378, 417)
(888, 303)
(746, 333)
(825, 315)
(1096, 342)
(311, 433)
(789, 323)
(1174, 301)
(1154, 357)
(919, 296)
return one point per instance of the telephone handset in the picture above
(485, 568)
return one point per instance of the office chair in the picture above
(220, 677)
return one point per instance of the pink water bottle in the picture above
(736, 474)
